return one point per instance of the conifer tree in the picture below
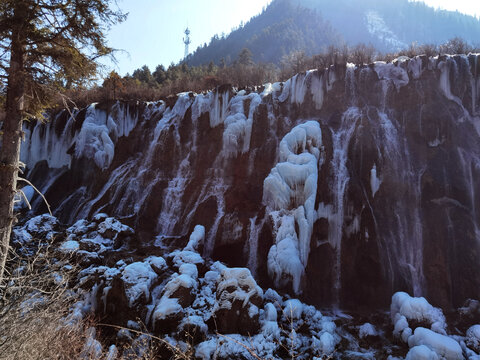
(44, 45)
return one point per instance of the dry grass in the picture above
(36, 320)
(34, 307)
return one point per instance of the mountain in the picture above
(393, 25)
(281, 28)
(312, 25)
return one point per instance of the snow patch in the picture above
(376, 26)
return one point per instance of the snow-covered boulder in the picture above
(181, 287)
(367, 330)
(193, 328)
(167, 315)
(473, 338)
(408, 312)
(445, 347)
(238, 301)
(138, 278)
(421, 352)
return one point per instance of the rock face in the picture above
(340, 186)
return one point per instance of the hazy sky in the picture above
(153, 31)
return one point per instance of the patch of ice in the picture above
(19, 201)
(93, 141)
(41, 224)
(112, 224)
(158, 263)
(236, 284)
(270, 88)
(327, 343)
(270, 312)
(179, 281)
(218, 108)
(189, 270)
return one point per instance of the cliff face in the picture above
(342, 185)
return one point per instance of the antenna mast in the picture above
(186, 41)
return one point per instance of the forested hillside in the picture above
(312, 25)
(281, 28)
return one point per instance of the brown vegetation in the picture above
(147, 86)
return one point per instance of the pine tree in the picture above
(45, 45)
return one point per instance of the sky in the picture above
(470, 7)
(153, 32)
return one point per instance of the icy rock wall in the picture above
(341, 185)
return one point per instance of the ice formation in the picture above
(196, 238)
(95, 140)
(391, 72)
(238, 125)
(375, 182)
(290, 192)
(23, 197)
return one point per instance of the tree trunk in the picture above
(12, 135)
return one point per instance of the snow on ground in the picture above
(181, 292)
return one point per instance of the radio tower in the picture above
(186, 41)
